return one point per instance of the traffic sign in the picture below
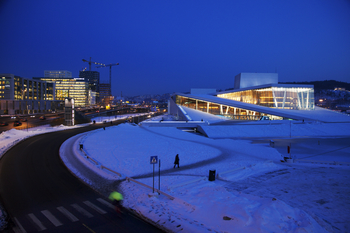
(154, 159)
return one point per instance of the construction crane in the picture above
(96, 63)
(110, 71)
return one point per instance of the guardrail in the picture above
(98, 163)
(147, 186)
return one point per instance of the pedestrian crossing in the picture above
(61, 215)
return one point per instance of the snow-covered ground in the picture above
(254, 191)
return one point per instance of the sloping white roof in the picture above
(319, 114)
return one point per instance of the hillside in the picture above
(323, 85)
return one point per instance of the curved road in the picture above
(40, 194)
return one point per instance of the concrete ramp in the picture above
(278, 129)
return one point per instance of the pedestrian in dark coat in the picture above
(177, 161)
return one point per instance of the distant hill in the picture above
(323, 85)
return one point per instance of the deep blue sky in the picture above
(171, 46)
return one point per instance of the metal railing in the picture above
(147, 186)
(98, 163)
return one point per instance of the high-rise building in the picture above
(105, 93)
(105, 90)
(57, 74)
(93, 78)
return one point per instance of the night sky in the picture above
(172, 46)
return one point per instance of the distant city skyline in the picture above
(173, 46)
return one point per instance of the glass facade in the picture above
(18, 88)
(219, 109)
(301, 98)
(75, 88)
(5, 84)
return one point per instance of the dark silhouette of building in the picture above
(93, 78)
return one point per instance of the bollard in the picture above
(81, 146)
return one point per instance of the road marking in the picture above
(88, 228)
(82, 211)
(67, 214)
(92, 206)
(37, 222)
(20, 227)
(52, 218)
(106, 203)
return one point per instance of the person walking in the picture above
(177, 161)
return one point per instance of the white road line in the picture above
(67, 214)
(52, 218)
(101, 211)
(106, 203)
(20, 227)
(82, 211)
(37, 222)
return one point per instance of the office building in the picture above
(20, 95)
(75, 88)
(105, 93)
(93, 79)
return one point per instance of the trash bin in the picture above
(81, 146)
(212, 175)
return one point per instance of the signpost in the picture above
(159, 178)
(154, 160)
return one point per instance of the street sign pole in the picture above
(153, 178)
(159, 178)
(153, 160)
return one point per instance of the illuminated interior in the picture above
(223, 110)
(75, 88)
(301, 98)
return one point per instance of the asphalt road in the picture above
(40, 194)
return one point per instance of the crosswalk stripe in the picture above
(68, 214)
(37, 222)
(20, 227)
(82, 210)
(98, 209)
(106, 203)
(52, 218)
